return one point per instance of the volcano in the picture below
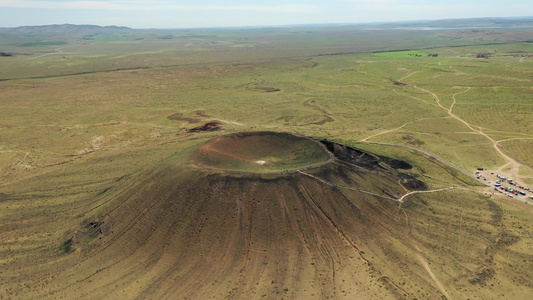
(252, 215)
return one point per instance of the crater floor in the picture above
(261, 152)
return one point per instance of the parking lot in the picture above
(505, 186)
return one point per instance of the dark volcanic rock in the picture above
(371, 161)
(362, 158)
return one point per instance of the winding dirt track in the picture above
(345, 187)
(400, 200)
(515, 165)
(57, 51)
(430, 154)
(433, 277)
(512, 163)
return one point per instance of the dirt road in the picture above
(511, 163)
(433, 277)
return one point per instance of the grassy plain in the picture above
(85, 115)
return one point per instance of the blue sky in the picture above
(218, 13)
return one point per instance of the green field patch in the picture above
(44, 43)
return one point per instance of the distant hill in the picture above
(493, 22)
(66, 28)
(57, 34)
(501, 23)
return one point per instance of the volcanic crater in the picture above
(262, 152)
(256, 213)
(268, 152)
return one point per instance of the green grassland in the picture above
(86, 113)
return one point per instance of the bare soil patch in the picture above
(260, 87)
(209, 126)
(395, 82)
(202, 114)
(89, 233)
(180, 117)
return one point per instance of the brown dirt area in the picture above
(209, 126)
